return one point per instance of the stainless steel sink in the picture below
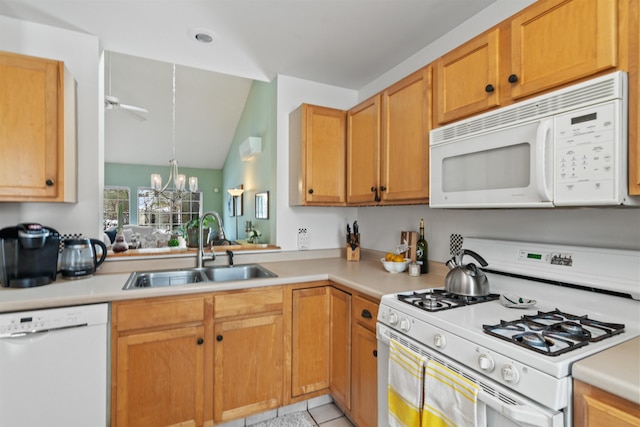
(237, 272)
(155, 279)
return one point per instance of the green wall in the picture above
(258, 175)
(134, 176)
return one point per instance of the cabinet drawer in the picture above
(153, 314)
(248, 302)
(365, 312)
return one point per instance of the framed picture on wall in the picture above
(262, 205)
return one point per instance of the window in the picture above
(155, 210)
(113, 196)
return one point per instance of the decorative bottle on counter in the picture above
(422, 251)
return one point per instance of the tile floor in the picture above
(318, 412)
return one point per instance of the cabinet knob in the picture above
(489, 88)
(376, 197)
(383, 188)
(366, 314)
(219, 338)
(49, 182)
(513, 78)
(311, 191)
(200, 341)
(375, 353)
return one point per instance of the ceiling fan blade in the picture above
(134, 108)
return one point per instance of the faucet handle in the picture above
(230, 254)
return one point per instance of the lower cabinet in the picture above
(211, 358)
(364, 363)
(249, 344)
(161, 362)
(595, 407)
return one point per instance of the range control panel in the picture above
(587, 151)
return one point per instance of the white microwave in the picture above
(564, 148)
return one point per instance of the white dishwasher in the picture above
(53, 367)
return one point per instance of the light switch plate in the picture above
(303, 239)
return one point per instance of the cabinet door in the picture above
(317, 156)
(405, 139)
(466, 78)
(340, 362)
(310, 341)
(596, 407)
(248, 366)
(557, 41)
(160, 378)
(364, 385)
(363, 152)
(31, 127)
(634, 101)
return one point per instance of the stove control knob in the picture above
(440, 341)
(510, 374)
(405, 325)
(393, 318)
(486, 363)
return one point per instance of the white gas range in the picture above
(576, 301)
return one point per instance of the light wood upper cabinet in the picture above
(388, 145)
(161, 369)
(466, 79)
(558, 41)
(317, 138)
(405, 139)
(634, 97)
(549, 44)
(37, 130)
(363, 151)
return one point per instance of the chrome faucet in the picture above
(221, 234)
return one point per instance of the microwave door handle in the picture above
(543, 140)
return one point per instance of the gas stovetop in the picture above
(439, 299)
(553, 333)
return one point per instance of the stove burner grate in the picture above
(439, 299)
(554, 332)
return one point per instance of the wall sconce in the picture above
(236, 209)
(250, 148)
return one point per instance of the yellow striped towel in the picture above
(450, 399)
(406, 376)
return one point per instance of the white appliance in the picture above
(53, 367)
(522, 381)
(565, 148)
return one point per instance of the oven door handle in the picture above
(527, 415)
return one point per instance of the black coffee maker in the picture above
(28, 255)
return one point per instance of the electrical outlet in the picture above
(303, 239)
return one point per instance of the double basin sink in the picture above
(156, 279)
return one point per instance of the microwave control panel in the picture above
(587, 147)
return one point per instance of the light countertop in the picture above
(366, 276)
(616, 370)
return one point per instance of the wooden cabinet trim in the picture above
(155, 313)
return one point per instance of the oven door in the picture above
(507, 167)
(504, 407)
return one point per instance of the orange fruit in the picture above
(389, 257)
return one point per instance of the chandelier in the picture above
(174, 189)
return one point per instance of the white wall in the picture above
(81, 55)
(326, 226)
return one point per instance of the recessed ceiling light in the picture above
(202, 35)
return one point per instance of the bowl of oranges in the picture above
(395, 263)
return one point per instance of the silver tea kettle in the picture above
(467, 280)
(80, 259)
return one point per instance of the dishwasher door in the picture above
(53, 367)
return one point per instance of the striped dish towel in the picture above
(450, 400)
(406, 377)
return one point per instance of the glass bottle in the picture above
(422, 251)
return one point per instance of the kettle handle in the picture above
(103, 255)
(474, 255)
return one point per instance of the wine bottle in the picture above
(422, 251)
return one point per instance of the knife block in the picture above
(353, 254)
